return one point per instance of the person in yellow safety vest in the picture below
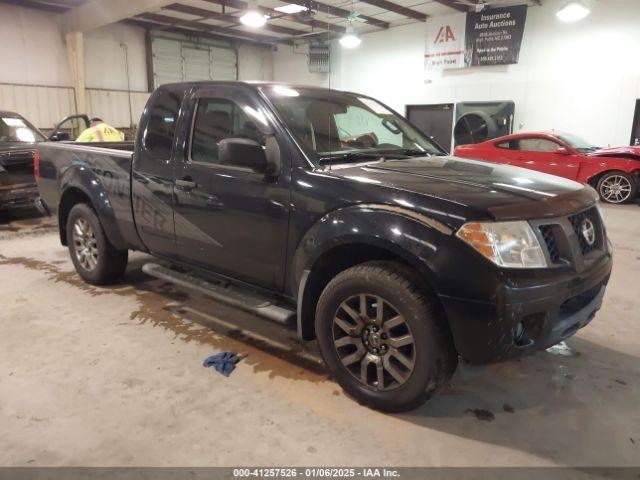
(100, 132)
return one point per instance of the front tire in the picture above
(96, 260)
(382, 338)
(617, 187)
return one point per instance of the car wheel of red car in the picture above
(617, 187)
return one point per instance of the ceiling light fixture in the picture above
(573, 11)
(252, 17)
(350, 39)
(291, 9)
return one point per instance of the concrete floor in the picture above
(114, 376)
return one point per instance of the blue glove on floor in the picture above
(224, 362)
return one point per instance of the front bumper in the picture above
(18, 195)
(527, 316)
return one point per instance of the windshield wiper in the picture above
(350, 157)
(377, 155)
(414, 152)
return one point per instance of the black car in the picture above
(18, 140)
(328, 210)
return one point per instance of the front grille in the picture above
(577, 303)
(577, 221)
(551, 242)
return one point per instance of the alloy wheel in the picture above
(374, 342)
(85, 245)
(615, 189)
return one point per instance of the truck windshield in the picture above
(17, 130)
(344, 126)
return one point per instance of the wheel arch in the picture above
(77, 188)
(69, 198)
(340, 258)
(357, 234)
(595, 179)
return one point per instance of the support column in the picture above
(75, 52)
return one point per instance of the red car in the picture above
(613, 172)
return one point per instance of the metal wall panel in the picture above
(224, 62)
(167, 61)
(197, 63)
(41, 105)
(117, 108)
(44, 106)
(176, 60)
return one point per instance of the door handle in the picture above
(186, 184)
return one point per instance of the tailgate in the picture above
(16, 169)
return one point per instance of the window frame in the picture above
(311, 156)
(218, 94)
(176, 120)
(558, 145)
(509, 142)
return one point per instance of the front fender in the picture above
(79, 176)
(600, 165)
(407, 234)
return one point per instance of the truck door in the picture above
(230, 219)
(152, 186)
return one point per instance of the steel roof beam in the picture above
(395, 8)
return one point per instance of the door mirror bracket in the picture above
(247, 153)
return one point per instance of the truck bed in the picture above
(99, 170)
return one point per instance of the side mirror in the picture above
(244, 153)
(60, 137)
(561, 151)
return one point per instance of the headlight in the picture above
(507, 244)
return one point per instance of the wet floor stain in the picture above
(562, 349)
(482, 414)
(155, 301)
(27, 227)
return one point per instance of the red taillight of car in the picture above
(36, 166)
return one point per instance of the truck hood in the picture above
(502, 191)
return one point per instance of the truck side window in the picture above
(215, 120)
(158, 138)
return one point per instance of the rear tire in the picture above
(96, 260)
(617, 187)
(391, 358)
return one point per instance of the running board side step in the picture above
(243, 299)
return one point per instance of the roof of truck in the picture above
(251, 84)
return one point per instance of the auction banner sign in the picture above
(490, 37)
(494, 36)
(445, 42)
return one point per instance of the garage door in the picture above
(182, 61)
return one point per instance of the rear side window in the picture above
(215, 120)
(158, 137)
(537, 145)
(508, 145)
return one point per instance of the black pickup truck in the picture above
(328, 210)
